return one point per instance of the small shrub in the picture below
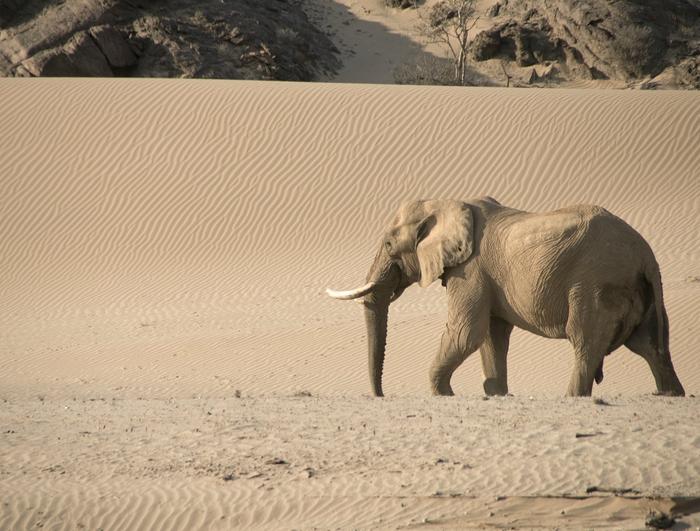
(286, 34)
(425, 69)
(403, 4)
(199, 17)
(428, 69)
(637, 50)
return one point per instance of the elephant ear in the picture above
(444, 239)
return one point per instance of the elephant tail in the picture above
(653, 277)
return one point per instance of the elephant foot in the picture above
(671, 392)
(492, 387)
(441, 388)
(586, 369)
(440, 381)
(668, 384)
(443, 392)
(574, 392)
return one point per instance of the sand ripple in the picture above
(173, 238)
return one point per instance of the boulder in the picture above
(49, 63)
(526, 43)
(547, 74)
(86, 57)
(487, 44)
(113, 46)
(79, 57)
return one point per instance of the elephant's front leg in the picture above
(455, 347)
(494, 351)
(459, 340)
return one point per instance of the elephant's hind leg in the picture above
(643, 341)
(457, 343)
(591, 330)
(494, 351)
(588, 361)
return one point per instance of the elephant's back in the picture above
(585, 234)
(540, 239)
(615, 241)
(549, 253)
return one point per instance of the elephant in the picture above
(578, 273)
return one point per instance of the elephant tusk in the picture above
(353, 293)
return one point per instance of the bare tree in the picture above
(505, 72)
(449, 22)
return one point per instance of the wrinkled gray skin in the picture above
(578, 273)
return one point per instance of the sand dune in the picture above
(164, 243)
(177, 236)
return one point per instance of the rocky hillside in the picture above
(237, 39)
(598, 39)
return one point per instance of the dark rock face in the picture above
(236, 39)
(622, 39)
(526, 43)
(78, 57)
(113, 46)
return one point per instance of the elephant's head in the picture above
(424, 238)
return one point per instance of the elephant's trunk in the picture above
(382, 287)
(376, 313)
(385, 275)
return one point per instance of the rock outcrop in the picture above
(624, 39)
(526, 42)
(236, 39)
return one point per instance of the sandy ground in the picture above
(285, 461)
(165, 244)
(373, 39)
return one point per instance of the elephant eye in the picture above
(387, 245)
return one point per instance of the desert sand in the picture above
(168, 356)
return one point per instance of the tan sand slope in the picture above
(174, 238)
(351, 462)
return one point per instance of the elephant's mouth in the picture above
(358, 293)
(397, 293)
